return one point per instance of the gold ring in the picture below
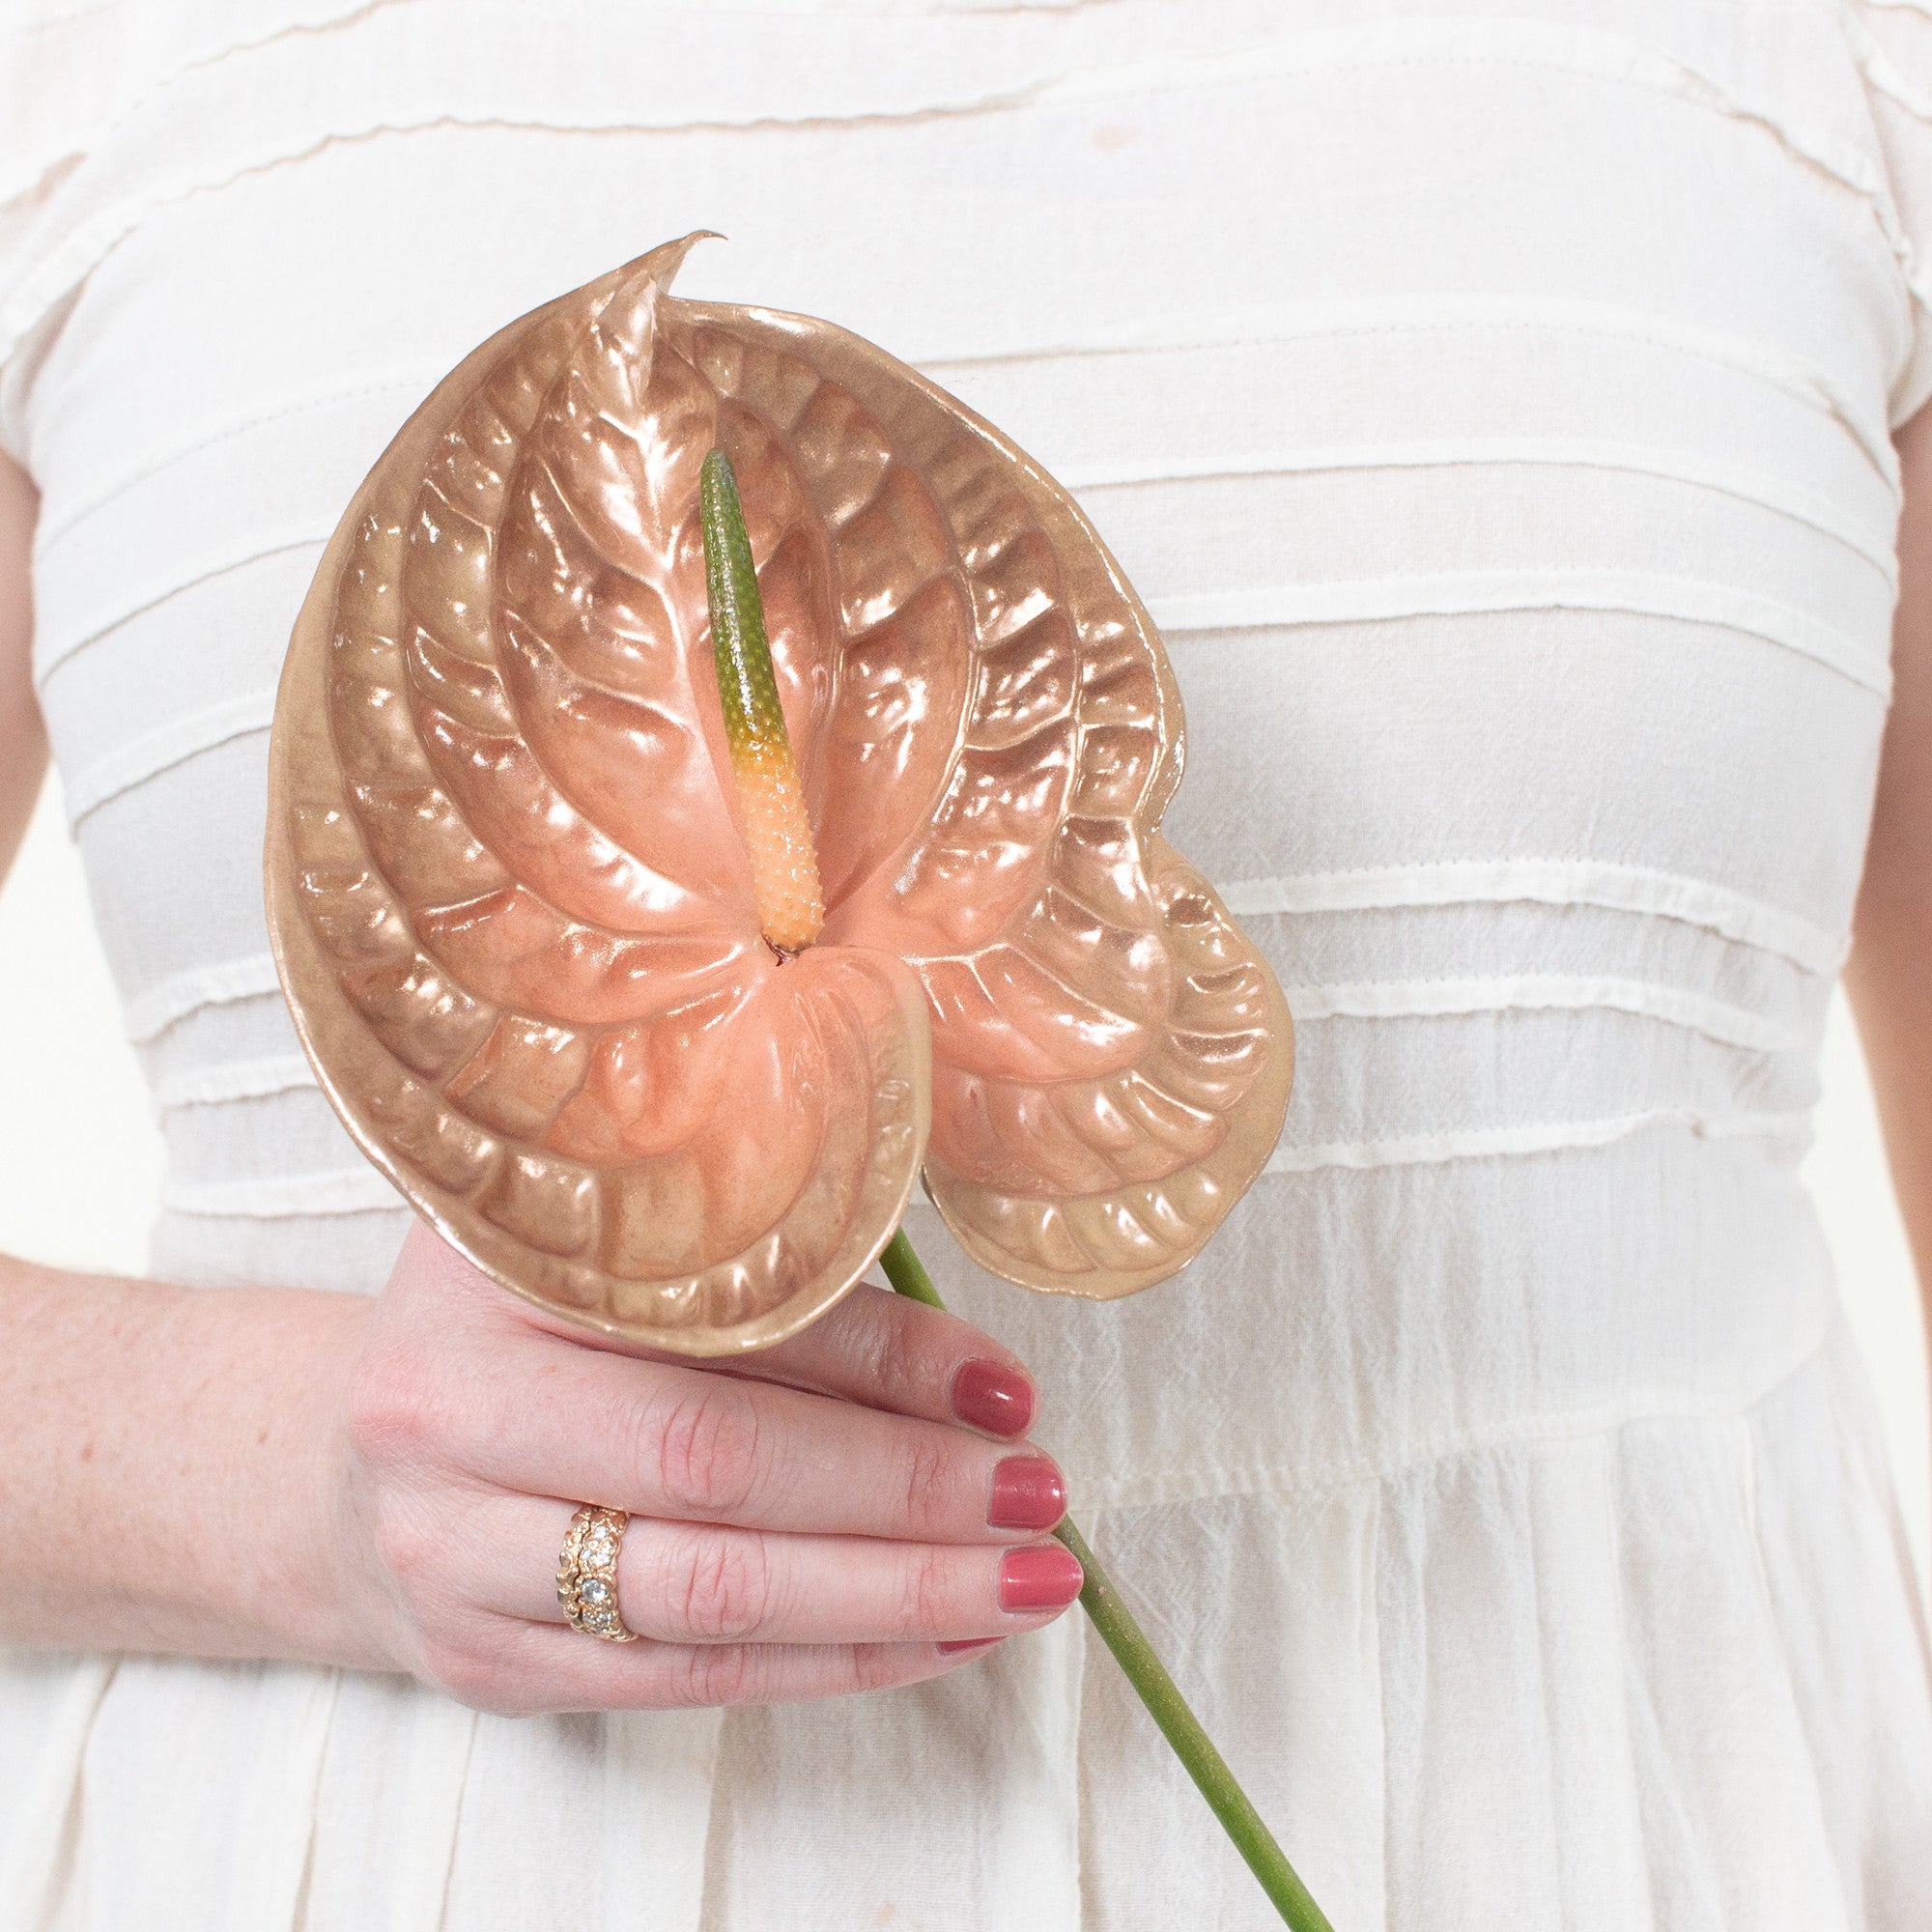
(586, 1575)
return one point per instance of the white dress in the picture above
(1491, 402)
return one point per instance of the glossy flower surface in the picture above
(508, 885)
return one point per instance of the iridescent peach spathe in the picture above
(512, 906)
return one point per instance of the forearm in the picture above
(169, 1466)
(1885, 978)
(23, 735)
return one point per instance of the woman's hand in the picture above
(847, 1509)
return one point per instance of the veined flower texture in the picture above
(508, 885)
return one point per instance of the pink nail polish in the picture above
(970, 1643)
(990, 1396)
(1043, 1576)
(1028, 1493)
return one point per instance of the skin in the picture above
(1890, 965)
(386, 1483)
(23, 735)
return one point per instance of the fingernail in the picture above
(970, 1643)
(1028, 1493)
(990, 1396)
(1043, 1577)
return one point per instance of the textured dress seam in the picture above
(65, 652)
(36, 165)
(1213, 1480)
(1437, 1147)
(1559, 884)
(1458, 996)
(1479, 593)
(159, 466)
(1755, 489)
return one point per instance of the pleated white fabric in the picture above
(1492, 403)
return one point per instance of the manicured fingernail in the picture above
(990, 1396)
(970, 1643)
(1028, 1493)
(1043, 1577)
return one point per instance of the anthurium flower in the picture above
(512, 894)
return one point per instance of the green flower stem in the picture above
(1156, 1690)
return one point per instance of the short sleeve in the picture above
(1892, 39)
(71, 71)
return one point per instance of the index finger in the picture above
(688, 1444)
(881, 1350)
(873, 1347)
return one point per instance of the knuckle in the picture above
(706, 1446)
(728, 1590)
(728, 1674)
(929, 1486)
(885, 1355)
(876, 1666)
(924, 1594)
(404, 1544)
(390, 1416)
(462, 1669)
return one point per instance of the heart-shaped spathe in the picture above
(510, 900)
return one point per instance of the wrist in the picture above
(312, 1587)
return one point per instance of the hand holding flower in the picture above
(830, 1514)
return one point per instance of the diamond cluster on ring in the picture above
(587, 1577)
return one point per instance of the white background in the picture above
(80, 1159)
